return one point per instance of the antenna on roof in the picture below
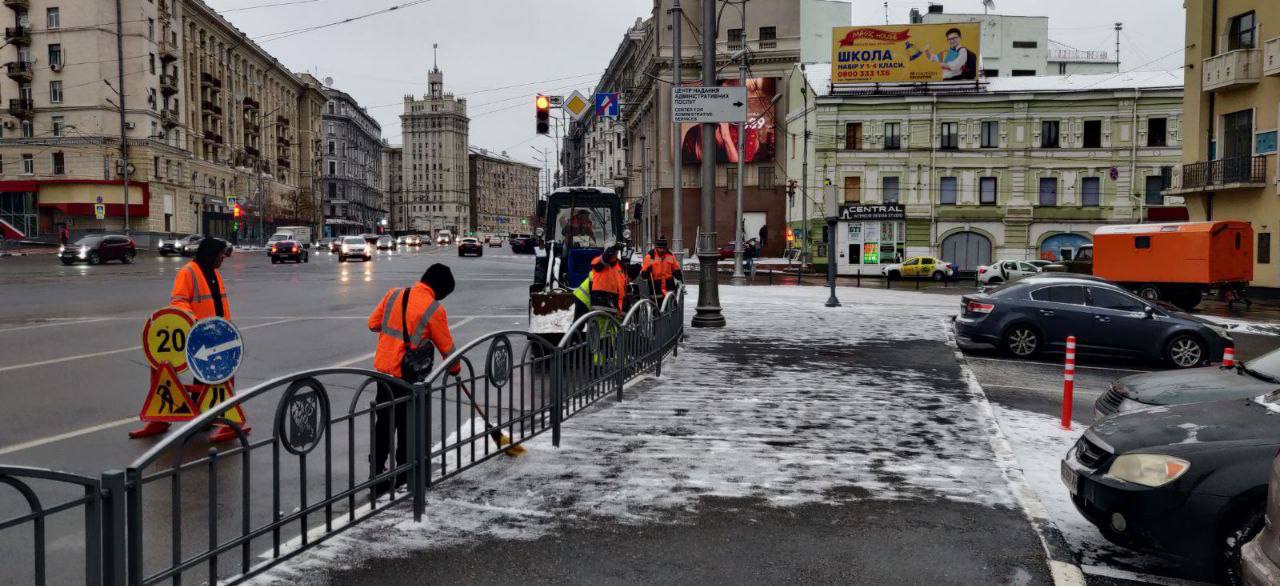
(435, 62)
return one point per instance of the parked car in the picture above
(288, 250)
(1006, 270)
(99, 248)
(1261, 557)
(1187, 482)
(187, 245)
(1038, 313)
(1213, 383)
(470, 245)
(921, 266)
(523, 243)
(386, 243)
(495, 241)
(414, 240)
(355, 246)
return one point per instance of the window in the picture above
(990, 73)
(1242, 32)
(55, 91)
(991, 134)
(57, 125)
(1090, 192)
(1048, 191)
(151, 29)
(1049, 134)
(735, 38)
(333, 167)
(28, 164)
(852, 189)
(152, 59)
(987, 191)
(768, 37)
(950, 135)
(28, 130)
(1025, 44)
(1070, 294)
(766, 177)
(1155, 186)
(892, 136)
(59, 164)
(1024, 73)
(55, 54)
(53, 19)
(853, 136)
(1157, 132)
(1092, 134)
(948, 187)
(889, 189)
(1264, 248)
(1109, 299)
(730, 177)
(331, 147)
(1142, 242)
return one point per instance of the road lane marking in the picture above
(1042, 363)
(72, 322)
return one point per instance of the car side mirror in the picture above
(1148, 312)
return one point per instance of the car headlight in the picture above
(84, 251)
(1148, 469)
(62, 249)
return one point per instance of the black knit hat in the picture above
(440, 279)
(208, 251)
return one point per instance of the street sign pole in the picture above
(677, 172)
(742, 150)
(708, 309)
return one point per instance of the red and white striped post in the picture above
(1068, 382)
(1229, 357)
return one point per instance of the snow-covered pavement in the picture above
(791, 405)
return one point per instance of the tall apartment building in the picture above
(436, 191)
(1229, 161)
(1019, 46)
(351, 170)
(503, 192)
(209, 114)
(393, 185)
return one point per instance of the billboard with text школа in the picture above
(913, 53)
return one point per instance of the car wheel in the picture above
(342, 258)
(1184, 351)
(1022, 341)
(93, 258)
(306, 258)
(939, 275)
(1233, 539)
(67, 261)
(128, 257)
(894, 275)
(1149, 292)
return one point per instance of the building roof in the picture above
(819, 76)
(475, 150)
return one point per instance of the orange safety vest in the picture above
(427, 322)
(662, 268)
(609, 282)
(191, 293)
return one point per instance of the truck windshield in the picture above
(586, 227)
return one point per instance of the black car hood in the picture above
(1234, 420)
(1174, 387)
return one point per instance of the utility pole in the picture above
(124, 137)
(677, 173)
(708, 310)
(829, 201)
(742, 153)
(647, 233)
(804, 182)
(1119, 27)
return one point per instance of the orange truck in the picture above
(1177, 263)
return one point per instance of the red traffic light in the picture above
(543, 103)
(236, 211)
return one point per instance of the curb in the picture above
(1065, 570)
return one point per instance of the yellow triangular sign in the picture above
(212, 395)
(168, 399)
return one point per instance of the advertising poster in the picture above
(760, 145)
(914, 53)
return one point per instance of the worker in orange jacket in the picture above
(662, 268)
(607, 283)
(198, 290)
(409, 323)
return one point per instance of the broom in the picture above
(498, 436)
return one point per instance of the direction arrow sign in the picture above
(577, 104)
(607, 104)
(214, 350)
(709, 104)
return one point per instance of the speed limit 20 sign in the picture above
(164, 338)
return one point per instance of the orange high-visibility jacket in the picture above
(191, 293)
(609, 280)
(661, 267)
(427, 322)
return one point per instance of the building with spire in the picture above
(434, 192)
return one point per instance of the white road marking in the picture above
(1119, 574)
(72, 322)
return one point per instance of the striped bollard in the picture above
(1068, 382)
(1229, 357)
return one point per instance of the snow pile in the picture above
(792, 403)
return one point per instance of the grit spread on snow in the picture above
(792, 403)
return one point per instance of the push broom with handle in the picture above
(498, 436)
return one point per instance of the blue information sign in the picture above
(214, 350)
(607, 104)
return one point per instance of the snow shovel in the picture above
(498, 436)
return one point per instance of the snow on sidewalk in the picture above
(792, 403)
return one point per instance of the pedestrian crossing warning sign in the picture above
(168, 400)
(212, 395)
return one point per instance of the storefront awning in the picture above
(77, 197)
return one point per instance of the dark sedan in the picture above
(282, 250)
(99, 249)
(1212, 383)
(523, 243)
(1187, 482)
(470, 246)
(1038, 313)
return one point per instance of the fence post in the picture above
(133, 523)
(620, 349)
(416, 446)
(557, 379)
(1068, 382)
(113, 528)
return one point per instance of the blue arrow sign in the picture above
(214, 350)
(607, 104)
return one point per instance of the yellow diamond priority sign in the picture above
(577, 104)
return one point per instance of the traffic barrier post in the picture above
(1229, 357)
(1068, 382)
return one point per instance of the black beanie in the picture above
(208, 251)
(440, 279)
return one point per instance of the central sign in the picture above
(882, 211)
(709, 104)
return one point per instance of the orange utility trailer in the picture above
(1177, 262)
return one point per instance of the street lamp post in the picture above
(708, 309)
(677, 172)
(742, 149)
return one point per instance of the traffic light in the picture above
(236, 212)
(543, 106)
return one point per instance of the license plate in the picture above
(1070, 478)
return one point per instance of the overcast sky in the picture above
(556, 46)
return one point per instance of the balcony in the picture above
(1233, 69)
(284, 162)
(251, 151)
(251, 104)
(20, 108)
(1271, 57)
(211, 108)
(18, 35)
(252, 130)
(283, 141)
(1221, 175)
(282, 121)
(169, 117)
(19, 71)
(168, 84)
(18, 4)
(212, 137)
(167, 49)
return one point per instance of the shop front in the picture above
(869, 236)
(40, 208)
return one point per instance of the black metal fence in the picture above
(1224, 172)
(189, 511)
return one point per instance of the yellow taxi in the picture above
(925, 267)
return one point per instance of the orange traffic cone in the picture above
(150, 429)
(1229, 357)
(223, 433)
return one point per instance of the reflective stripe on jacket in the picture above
(427, 323)
(191, 293)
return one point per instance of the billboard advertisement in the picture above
(760, 144)
(913, 53)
